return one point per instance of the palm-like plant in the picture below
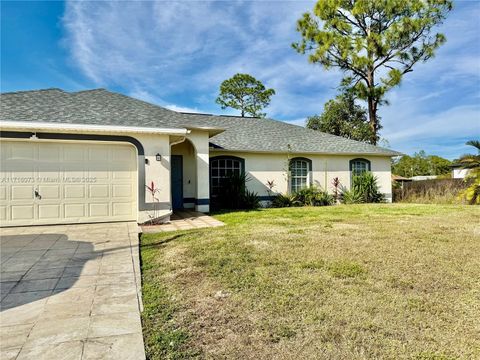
(472, 162)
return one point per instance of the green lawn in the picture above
(341, 282)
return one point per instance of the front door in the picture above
(176, 171)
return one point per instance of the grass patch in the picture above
(345, 269)
(369, 281)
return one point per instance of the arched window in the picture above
(221, 167)
(359, 166)
(300, 173)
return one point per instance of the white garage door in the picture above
(61, 182)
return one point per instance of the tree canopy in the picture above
(342, 117)
(421, 164)
(373, 42)
(245, 93)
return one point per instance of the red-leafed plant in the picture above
(156, 202)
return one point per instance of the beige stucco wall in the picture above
(195, 170)
(263, 167)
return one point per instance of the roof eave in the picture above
(63, 127)
(212, 131)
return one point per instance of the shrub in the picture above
(306, 196)
(323, 199)
(250, 200)
(312, 196)
(281, 200)
(351, 197)
(472, 193)
(309, 196)
(367, 185)
(364, 189)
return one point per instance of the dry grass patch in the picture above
(363, 282)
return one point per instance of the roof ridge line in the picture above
(34, 90)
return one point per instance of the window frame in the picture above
(308, 177)
(226, 158)
(366, 161)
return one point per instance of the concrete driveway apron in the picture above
(70, 292)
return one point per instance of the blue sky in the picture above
(176, 54)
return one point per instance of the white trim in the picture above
(25, 125)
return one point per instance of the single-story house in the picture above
(96, 155)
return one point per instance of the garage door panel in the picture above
(51, 211)
(25, 175)
(49, 192)
(98, 153)
(22, 192)
(22, 151)
(74, 191)
(122, 175)
(99, 175)
(98, 191)
(123, 155)
(121, 209)
(99, 210)
(77, 182)
(122, 191)
(75, 211)
(50, 152)
(3, 192)
(74, 153)
(22, 212)
(5, 151)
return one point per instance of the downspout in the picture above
(183, 138)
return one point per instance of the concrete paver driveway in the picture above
(70, 292)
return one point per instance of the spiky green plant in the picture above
(351, 197)
(472, 163)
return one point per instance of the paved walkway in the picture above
(184, 220)
(70, 292)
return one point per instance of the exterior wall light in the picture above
(158, 157)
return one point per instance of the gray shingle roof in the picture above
(102, 107)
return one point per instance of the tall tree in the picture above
(374, 42)
(245, 93)
(342, 117)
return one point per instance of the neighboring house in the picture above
(92, 156)
(458, 172)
